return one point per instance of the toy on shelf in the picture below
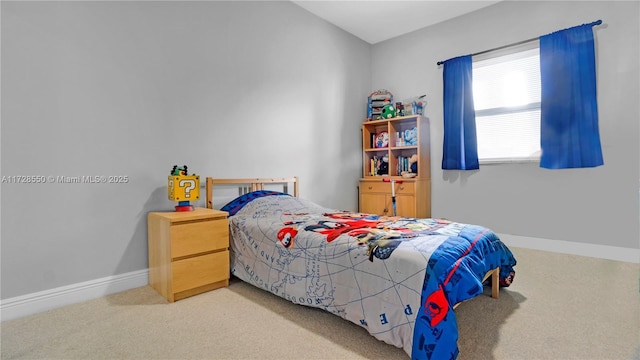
(183, 188)
(381, 140)
(382, 166)
(410, 137)
(376, 102)
(415, 105)
(413, 167)
(388, 112)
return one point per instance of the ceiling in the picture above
(374, 21)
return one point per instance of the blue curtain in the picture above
(460, 147)
(569, 113)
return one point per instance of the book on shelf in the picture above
(402, 164)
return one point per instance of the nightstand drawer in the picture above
(200, 270)
(385, 187)
(196, 237)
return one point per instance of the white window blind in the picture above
(506, 95)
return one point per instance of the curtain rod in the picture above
(597, 22)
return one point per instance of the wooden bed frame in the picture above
(255, 184)
(247, 185)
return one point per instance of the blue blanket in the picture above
(454, 274)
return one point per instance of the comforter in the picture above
(398, 278)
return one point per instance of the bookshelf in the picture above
(407, 136)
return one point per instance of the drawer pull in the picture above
(401, 187)
(370, 187)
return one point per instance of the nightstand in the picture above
(188, 252)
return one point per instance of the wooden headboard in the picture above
(247, 185)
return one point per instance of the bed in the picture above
(399, 278)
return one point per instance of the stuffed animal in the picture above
(411, 137)
(413, 167)
(383, 166)
(413, 163)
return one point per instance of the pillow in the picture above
(238, 203)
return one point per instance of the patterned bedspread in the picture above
(396, 277)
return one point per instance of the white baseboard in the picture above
(573, 248)
(21, 306)
(30, 304)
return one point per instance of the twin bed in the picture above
(399, 278)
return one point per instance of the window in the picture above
(506, 95)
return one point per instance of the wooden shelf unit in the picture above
(393, 127)
(413, 195)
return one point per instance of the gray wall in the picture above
(238, 89)
(593, 206)
(249, 89)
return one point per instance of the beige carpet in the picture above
(559, 307)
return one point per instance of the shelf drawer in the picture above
(385, 187)
(200, 270)
(197, 237)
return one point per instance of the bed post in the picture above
(209, 193)
(495, 282)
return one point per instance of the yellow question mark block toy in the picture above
(183, 188)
